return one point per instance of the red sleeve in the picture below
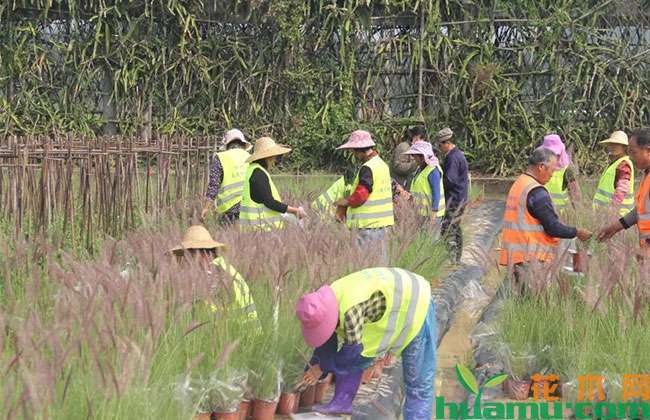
(622, 182)
(623, 172)
(359, 196)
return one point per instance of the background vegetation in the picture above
(500, 73)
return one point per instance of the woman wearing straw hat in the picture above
(227, 172)
(262, 208)
(371, 313)
(198, 245)
(616, 186)
(427, 189)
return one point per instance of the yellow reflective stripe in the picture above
(378, 202)
(357, 216)
(521, 211)
(410, 312)
(523, 227)
(230, 197)
(526, 248)
(226, 188)
(394, 312)
(605, 193)
(258, 221)
(326, 196)
(377, 211)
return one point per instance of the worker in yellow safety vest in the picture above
(262, 208)
(198, 244)
(562, 186)
(324, 203)
(366, 315)
(427, 189)
(370, 205)
(226, 180)
(639, 148)
(616, 186)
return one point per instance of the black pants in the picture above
(229, 217)
(452, 232)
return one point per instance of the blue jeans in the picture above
(370, 238)
(419, 365)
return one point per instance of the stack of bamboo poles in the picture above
(90, 186)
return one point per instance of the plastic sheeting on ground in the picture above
(484, 224)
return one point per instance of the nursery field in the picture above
(129, 332)
(100, 321)
(574, 337)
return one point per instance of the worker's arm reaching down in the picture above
(540, 206)
(360, 194)
(348, 359)
(261, 194)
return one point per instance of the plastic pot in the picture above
(322, 387)
(378, 370)
(580, 261)
(264, 410)
(516, 389)
(203, 416)
(288, 403)
(367, 375)
(308, 397)
(389, 360)
(245, 408)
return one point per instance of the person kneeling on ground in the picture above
(198, 244)
(372, 312)
(531, 227)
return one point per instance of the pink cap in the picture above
(359, 139)
(554, 143)
(318, 313)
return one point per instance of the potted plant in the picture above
(223, 393)
(292, 370)
(266, 389)
(520, 367)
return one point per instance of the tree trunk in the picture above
(108, 107)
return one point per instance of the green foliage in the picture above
(501, 75)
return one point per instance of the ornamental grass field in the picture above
(121, 330)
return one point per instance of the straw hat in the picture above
(196, 237)
(235, 134)
(267, 147)
(617, 137)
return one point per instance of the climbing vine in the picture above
(500, 73)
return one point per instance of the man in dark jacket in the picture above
(456, 183)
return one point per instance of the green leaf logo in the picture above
(495, 380)
(467, 379)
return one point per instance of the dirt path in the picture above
(456, 347)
